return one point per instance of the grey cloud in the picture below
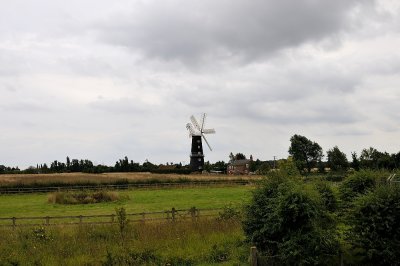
(213, 30)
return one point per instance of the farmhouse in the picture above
(239, 167)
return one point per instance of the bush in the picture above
(328, 196)
(229, 212)
(289, 222)
(375, 226)
(82, 197)
(356, 184)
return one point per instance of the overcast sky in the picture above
(103, 79)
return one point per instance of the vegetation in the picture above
(375, 226)
(306, 154)
(83, 197)
(289, 223)
(337, 160)
(203, 242)
(134, 201)
(88, 179)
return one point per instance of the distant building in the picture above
(239, 167)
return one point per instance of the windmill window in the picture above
(198, 141)
(199, 159)
(198, 147)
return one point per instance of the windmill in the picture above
(196, 132)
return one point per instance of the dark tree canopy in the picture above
(337, 160)
(305, 152)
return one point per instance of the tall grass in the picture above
(85, 179)
(82, 197)
(200, 242)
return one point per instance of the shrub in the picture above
(357, 184)
(375, 226)
(289, 222)
(122, 221)
(82, 197)
(328, 196)
(229, 212)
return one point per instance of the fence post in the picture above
(253, 256)
(173, 214)
(143, 217)
(47, 220)
(14, 221)
(80, 219)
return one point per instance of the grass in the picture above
(205, 242)
(133, 201)
(82, 197)
(15, 180)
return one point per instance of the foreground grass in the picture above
(202, 242)
(134, 201)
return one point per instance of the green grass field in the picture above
(139, 201)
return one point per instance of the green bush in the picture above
(229, 212)
(375, 226)
(327, 195)
(287, 221)
(357, 184)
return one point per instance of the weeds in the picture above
(153, 243)
(83, 197)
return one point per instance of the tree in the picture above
(68, 163)
(355, 164)
(240, 156)
(337, 159)
(305, 153)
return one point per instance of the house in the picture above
(239, 167)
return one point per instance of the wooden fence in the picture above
(169, 215)
(22, 190)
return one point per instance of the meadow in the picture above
(109, 178)
(203, 242)
(135, 200)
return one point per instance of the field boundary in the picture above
(22, 190)
(169, 215)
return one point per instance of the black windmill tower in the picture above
(196, 132)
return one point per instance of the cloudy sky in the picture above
(100, 79)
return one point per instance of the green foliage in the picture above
(122, 220)
(288, 167)
(375, 226)
(356, 184)
(287, 220)
(305, 153)
(337, 160)
(230, 212)
(327, 195)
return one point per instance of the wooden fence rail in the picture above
(170, 215)
(22, 190)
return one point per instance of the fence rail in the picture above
(169, 215)
(22, 190)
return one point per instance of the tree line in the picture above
(122, 165)
(308, 155)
